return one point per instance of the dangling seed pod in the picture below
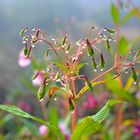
(110, 31)
(41, 91)
(23, 31)
(90, 50)
(35, 76)
(102, 61)
(134, 74)
(26, 51)
(47, 53)
(68, 47)
(94, 63)
(108, 45)
(71, 104)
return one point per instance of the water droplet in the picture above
(105, 30)
(33, 46)
(97, 66)
(81, 52)
(95, 70)
(126, 72)
(67, 51)
(72, 112)
(41, 100)
(135, 83)
(53, 39)
(101, 69)
(23, 42)
(55, 99)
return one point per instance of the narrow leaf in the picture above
(115, 13)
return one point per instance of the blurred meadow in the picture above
(57, 18)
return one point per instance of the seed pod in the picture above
(108, 45)
(89, 85)
(47, 53)
(68, 47)
(41, 91)
(25, 38)
(94, 63)
(90, 50)
(110, 30)
(52, 90)
(26, 51)
(102, 61)
(35, 75)
(71, 104)
(34, 39)
(134, 74)
(23, 31)
(64, 40)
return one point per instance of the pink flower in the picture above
(24, 106)
(90, 103)
(23, 61)
(136, 130)
(64, 130)
(39, 79)
(43, 130)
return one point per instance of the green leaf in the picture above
(128, 16)
(91, 124)
(115, 13)
(102, 114)
(86, 126)
(123, 46)
(17, 111)
(118, 90)
(61, 66)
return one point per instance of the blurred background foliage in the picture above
(56, 18)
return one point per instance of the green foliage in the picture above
(119, 91)
(17, 111)
(115, 13)
(123, 46)
(91, 124)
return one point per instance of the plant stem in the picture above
(74, 114)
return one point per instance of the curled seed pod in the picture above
(134, 74)
(110, 30)
(108, 45)
(94, 63)
(41, 91)
(88, 83)
(102, 61)
(90, 50)
(47, 53)
(23, 31)
(52, 90)
(71, 104)
(64, 40)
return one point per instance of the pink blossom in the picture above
(90, 103)
(24, 106)
(23, 61)
(136, 130)
(43, 130)
(64, 130)
(39, 79)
